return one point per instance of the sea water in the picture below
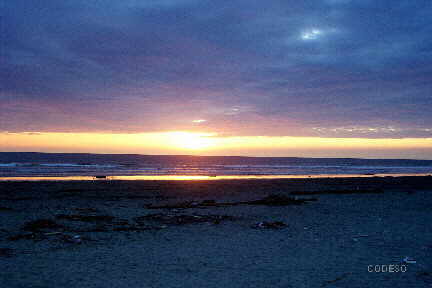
(67, 165)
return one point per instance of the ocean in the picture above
(27, 164)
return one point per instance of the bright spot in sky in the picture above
(311, 34)
(199, 121)
(192, 141)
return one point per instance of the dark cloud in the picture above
(247, 67)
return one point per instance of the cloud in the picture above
(248, 68)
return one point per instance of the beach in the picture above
(321, 232)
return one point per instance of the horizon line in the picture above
(214, 156)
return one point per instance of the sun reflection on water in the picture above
(199, 177)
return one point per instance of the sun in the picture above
(190, 140)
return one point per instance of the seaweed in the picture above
(6, 252)
(270, 225)
(270, 200)
(85, 218)
(6, 209)
(182, 219)
(425, 276)
(40, 224)
(189, 204)
(87, 210)
(343, 276)
(279, 200)
(344, 191)
(27, 236)
(132, 228)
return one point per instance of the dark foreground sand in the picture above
(330, 242)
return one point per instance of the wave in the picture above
(78, 165)
(61, 165)
(115, 169)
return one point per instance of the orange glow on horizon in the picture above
(184, 142)
(192, 141)
(200, 177)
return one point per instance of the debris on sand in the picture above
(270, 200)
(356, 237)
(270, 225)
(119, 226)
(87, 210)
(190, 204)
(279, 200)
(97, 228)
(182, 205)
(85, 218)
(209, 202)
(52, 233)
(424, 273)
(16, 198)
(6, 209)
(184, 219)
(131, 228)
(344, 191)
(6, 252)
(38, 230)
(426, 276)
(343, 276)
(27, 236)
(40, 225)
(76, 239)
(64, 193)
(126, 227)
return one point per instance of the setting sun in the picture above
(191, 141)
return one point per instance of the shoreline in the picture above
(203, 177)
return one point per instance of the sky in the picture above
(274, 77)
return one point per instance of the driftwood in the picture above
(6, 252)
(270, 225)
(41, 224)
(168, 219)
(345, 191)
(85, 218)
(329, 282)
(271, 200)
(6, 209)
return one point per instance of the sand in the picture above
(331, 242)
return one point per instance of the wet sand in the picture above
(104, 234)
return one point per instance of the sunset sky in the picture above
(328, 78)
